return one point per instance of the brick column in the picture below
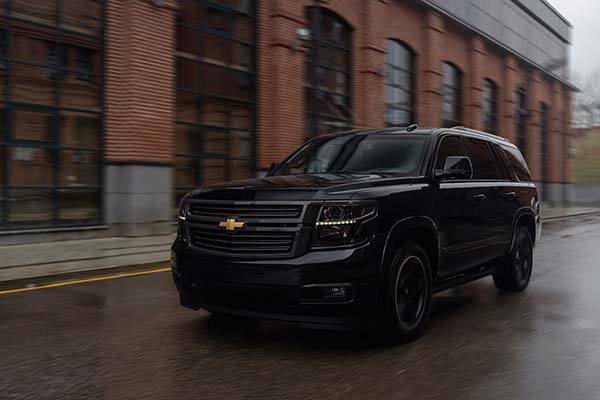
(430, 102)
(569, 168)
(473, 95)
(533, 124)
(281, 111)
(506, 109)
(139, 122)
(555, 136)
(368, 97)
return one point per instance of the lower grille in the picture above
(242, 242)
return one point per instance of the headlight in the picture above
(341, 224)
(181, 217)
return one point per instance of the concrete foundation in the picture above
(137, 199)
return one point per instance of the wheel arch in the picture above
(421, 230)
(524, 217)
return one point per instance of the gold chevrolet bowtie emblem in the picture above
(231, 224)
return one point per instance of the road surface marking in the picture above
(100, 278)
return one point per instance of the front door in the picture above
(458, 206)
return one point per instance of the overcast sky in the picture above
(585, 17)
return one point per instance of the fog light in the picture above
(334, 292)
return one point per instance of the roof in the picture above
(423, 131)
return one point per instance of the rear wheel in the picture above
(408, 293)
(515, 274)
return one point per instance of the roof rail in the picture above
(490, 135)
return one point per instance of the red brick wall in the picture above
(140, 77)
(433, 38)
(140, 81)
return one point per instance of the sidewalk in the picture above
(553, 213)
(28, 261)
(53, 258)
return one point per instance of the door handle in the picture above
(510, 195)
(479, 197)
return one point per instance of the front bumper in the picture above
(286, 289)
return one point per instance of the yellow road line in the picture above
(100, 278)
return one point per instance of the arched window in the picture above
(328, 73)
(521, 119)
(399, 84)
(452, 96)
(490, 106)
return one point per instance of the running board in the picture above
(464, 277)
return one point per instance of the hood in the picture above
(298, 187)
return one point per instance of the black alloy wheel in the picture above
(515, 274)
(408, 293)
(411, 292)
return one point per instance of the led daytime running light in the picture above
(342, 222)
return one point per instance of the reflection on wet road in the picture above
(129, 339)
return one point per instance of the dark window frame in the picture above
(53, 143)
(314, 64)
(455, 90)
(489, 106)
(521, 114)
(408, 74)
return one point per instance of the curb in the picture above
(566, 216)
(69, 276)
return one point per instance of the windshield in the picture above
(358, 154)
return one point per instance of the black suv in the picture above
(360, 228)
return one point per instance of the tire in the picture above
(408, 291)
(515, 274)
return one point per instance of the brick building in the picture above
(112, 109)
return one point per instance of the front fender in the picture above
(402, 227)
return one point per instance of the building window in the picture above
(328, 73)
(452, 97)
(490, 106)
(215, 86)
(50, 119)
(521, 120)
(399, 84)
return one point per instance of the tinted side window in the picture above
(502, 162)
(482, 158)
(518, 164)
(450, 146)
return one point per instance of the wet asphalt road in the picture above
(129, 339)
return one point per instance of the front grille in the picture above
(271, 230)
(274, 211)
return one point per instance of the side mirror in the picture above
(455, 167)
(272, 168)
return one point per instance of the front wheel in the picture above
(408, 293)
(515, 274)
